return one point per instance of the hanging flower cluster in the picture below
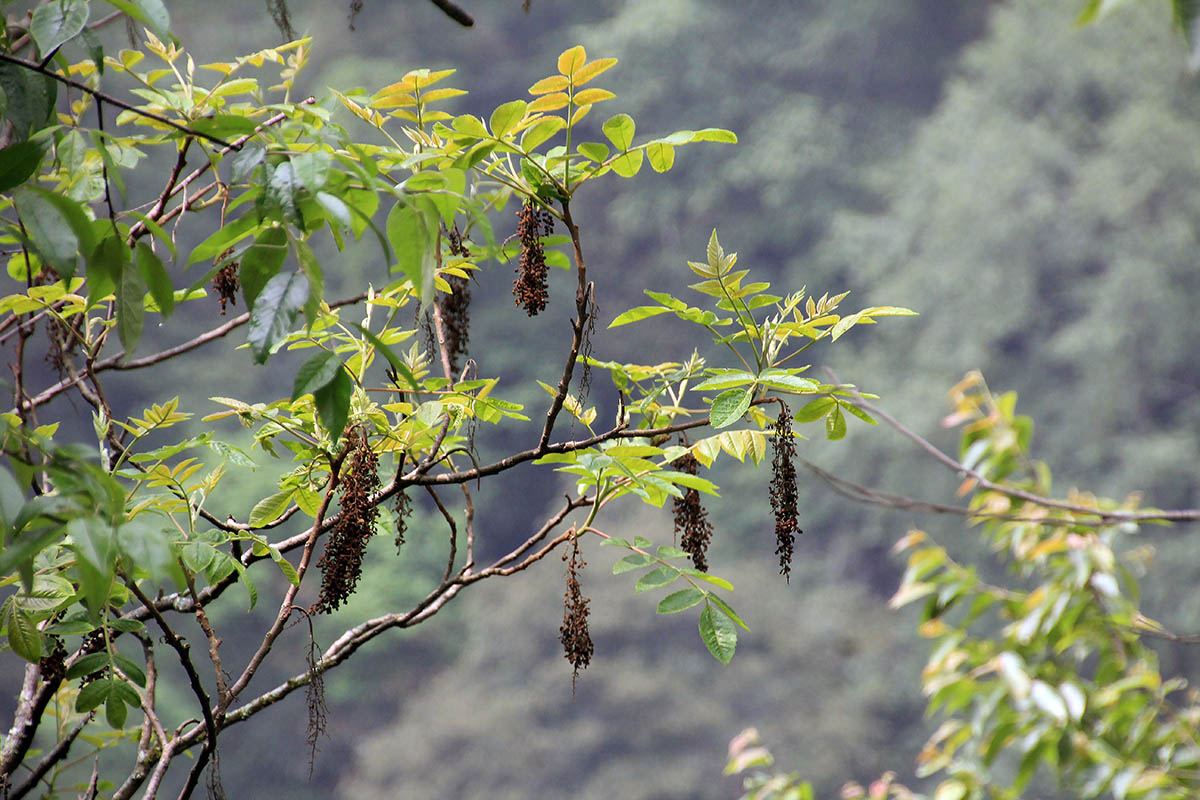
(341, 565)
(533, 222)
(576, 641)
(783, 491)
(692, 527)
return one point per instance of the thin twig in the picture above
(33, 66)
(1115, 515)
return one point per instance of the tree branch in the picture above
(33, 66)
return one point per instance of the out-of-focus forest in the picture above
(1031, 187)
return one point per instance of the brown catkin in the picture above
(341, 565)
(574, 635)
(783, 492)
(530, 288)
(456, 305)
(226, 282)
(691, 519)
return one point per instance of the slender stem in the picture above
(108, 98)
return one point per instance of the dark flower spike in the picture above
(341, 565)
(576, 641)
(691, 519)
(783, 491)
(530, 289)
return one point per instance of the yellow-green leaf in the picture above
(549, 102)
(571, 60)
(555, 83)
(591, 70)
(588, 96)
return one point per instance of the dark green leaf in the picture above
(150, 13)
(23, 635)
(156, 278)
(729, 406)
(655, 579)
(131, 309)
(57, 226)
(131, 669)
(315, 373)
(261, 262)
(333, 403)
(632, 562)
(681, 600)
(115, 711)
(17, 163)
(91, 663)
(406, 231)
(274, 312)
(718, 633)
(29, 98)
(57, 22)
(92, 695)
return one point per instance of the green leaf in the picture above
(285, 566)
(57, 22)
(29, 99)
(131, 669)
(261, 262)
(87, 665)
(541, 131)
(595, 151)
(656, 579)
(728, 611)
(406, 231)
(221, 240)
(18, 162)
(402, 370)
(835, 424)
(155, 276)
(815, 409)
(729, 406)
(23, 635)
(92, 542)
(274, 312)
(114, 711)
(620, 129)
(315, 373)
(506, 117)
(628, 165)
(269, 508)
(635, 314)
(333, 403)
(131, 309)
(57, 226)
(310, 168)
(681, 600)
(92, 695)
(146, 546)
(661, 156)
(713, 579)
(150, 13)
(715, 135)
(726, 380)
(718, 633)
(632, 562)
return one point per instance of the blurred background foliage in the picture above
(1031, 187)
